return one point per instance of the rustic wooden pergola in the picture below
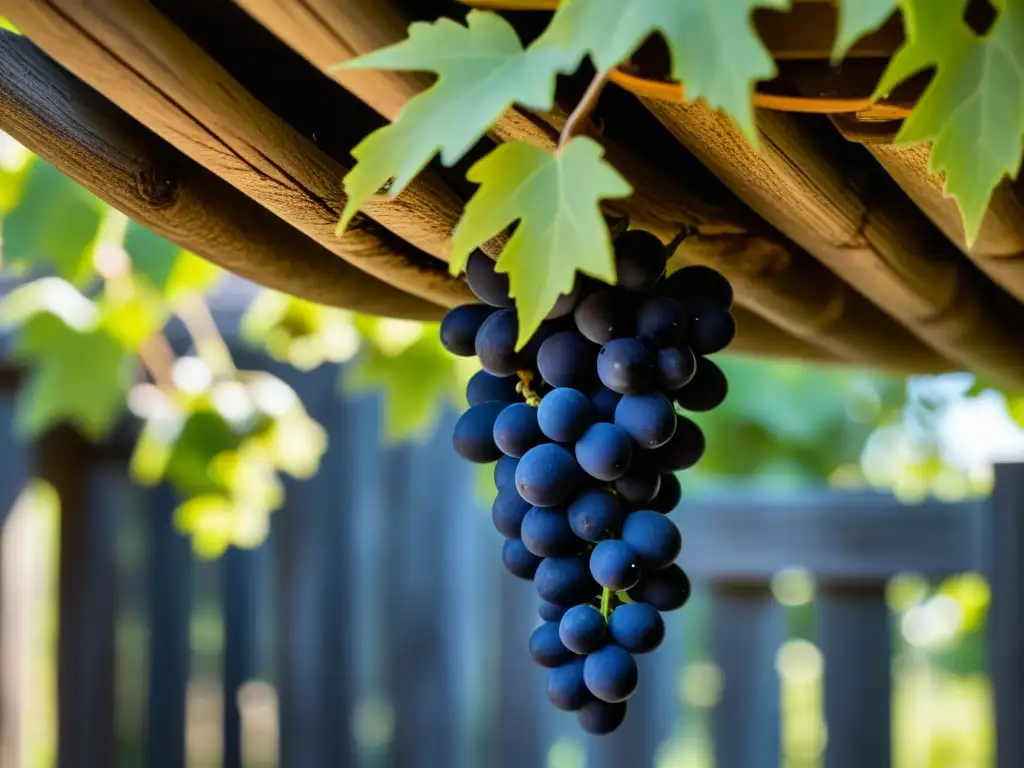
(221, 126)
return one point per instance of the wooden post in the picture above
(1006, 612)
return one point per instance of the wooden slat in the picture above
(999, 249)
(77, 130)
(137, 58)
(747, 627)
(817, 190)
(1005, 573)
(854, 537)
(799, 295)
(854, 636)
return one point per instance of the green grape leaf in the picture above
(973, 109)
(716, 51)
(414, 380)
(482, 70)
(81, 377)
(54, 225)
(555, 198)
(858, 18)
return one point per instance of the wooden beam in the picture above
(83, 135)
(999, 249)
(133, 55)
(777, 280)
(825, 197)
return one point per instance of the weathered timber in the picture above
(999, 249)
(133, 55)
(816, 188)
(802, 296)
(78, 131)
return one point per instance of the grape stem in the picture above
(583, 109)
(524, 388)
(606, 603)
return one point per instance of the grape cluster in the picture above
(584, 429)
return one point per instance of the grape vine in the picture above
(583, 428)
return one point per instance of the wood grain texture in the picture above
(143, 63)
(81, 133)
(999, 249)
(825, 197)
(801, 296)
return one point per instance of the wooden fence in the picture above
(386, 633)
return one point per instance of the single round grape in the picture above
(548, 476)
(519, 560)
(505, 473)
(473, 436)
(567, 302)
(484, 386)
(601, 717)
(637, 627)
(496, 343)
(490, 286)
(665, 590)
(611, 674)
(516, 430)
(605, 315)
(706, 390)
(604, 401)
(649, 419)
(551, 611)
(676, 368)
(460, 326)
(653, 536)
(640, 260)
(545, 532)
(615, 565)
(669, 495)
(605, 451)
(627, 366)
(582, 629)
(566, 359)
(711, 329)
(683, 450)
(546, 648)
(639, 486)
(565, 580)
(566, 689)
(699, 282)
(661, 319)
(529, 353)
(508, 511)
(596, 515)
(565, 414)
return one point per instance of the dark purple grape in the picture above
(669, 495)
(516, 430)
(683, 450)
(604, 401)
(640, 260)
(611, 674)
(596, 514)
(490, 287)
(565, 414)
(605, 315)
(507, 513)
(548, 476)
(627, 366)
(565, 580)
(601, 717)
(545, 532)
(711, 329)
(662, 319)
(566, 359)
(615, 565)
(639, 486)
(582, 629)
(547, 649)
(567, 302)
(519, 560)
(473, 436)
(505, 473)
(676, 368)
(637, 627)
(649, 419)
(665, 590)
(653, 537)
(605, 452)
(707, 389)
(496, 343)
(484, 386)
(460, 327)
(567, 691)
(699, 282)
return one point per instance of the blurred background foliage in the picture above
(115, 328)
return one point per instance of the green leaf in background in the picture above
(716, 51)
(15, 163)
(973, 109)
(81, 377)
(858, 18)
(299, 332)
(415, 376)
(171, 270)
(482, 70)
(555, 198)
(54, 225)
